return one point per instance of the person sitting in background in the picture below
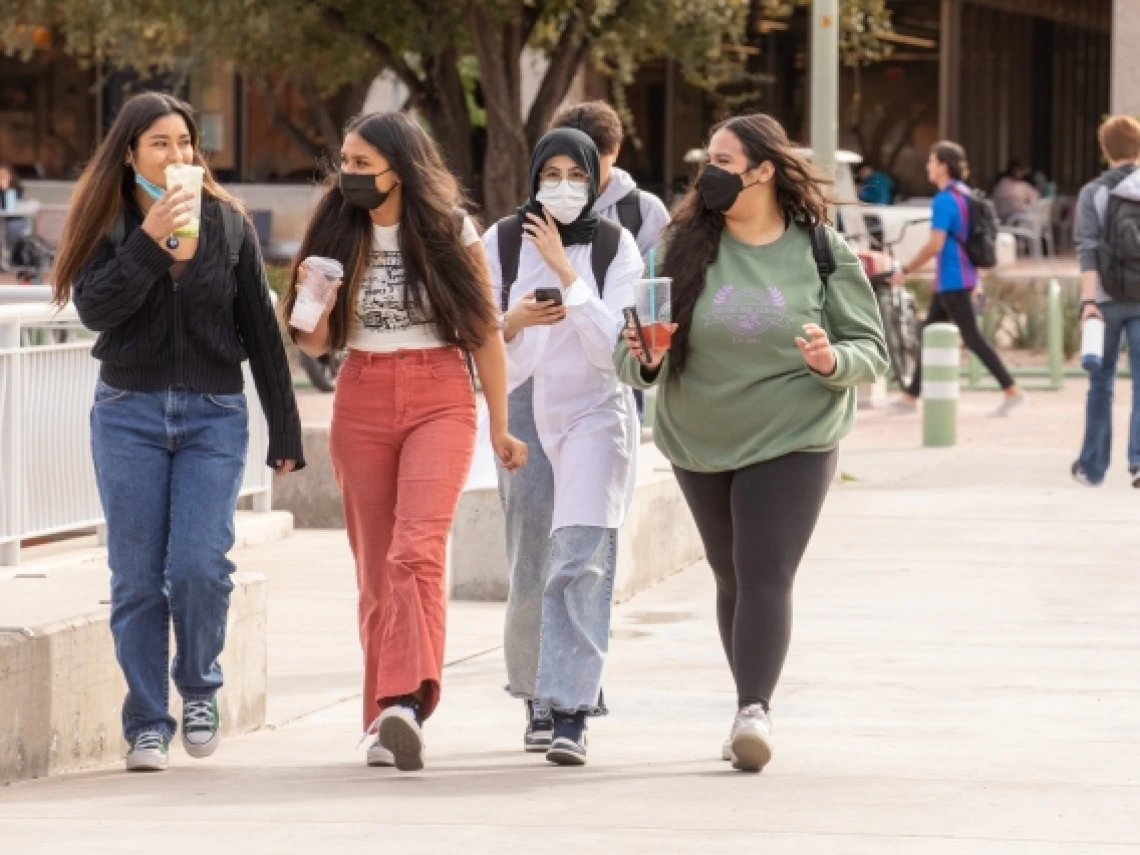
(1013, 193)
(10, 193)
(875, 187)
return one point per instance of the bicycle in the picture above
(896, 307)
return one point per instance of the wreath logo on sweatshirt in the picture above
(749, 312)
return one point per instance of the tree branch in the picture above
(565, 61)
(336, 19)
(298, 136)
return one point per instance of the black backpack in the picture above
(629, 211)
(234, 222)
(1118, 254)
(981, 232)
(603, 250)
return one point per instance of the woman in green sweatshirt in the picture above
(758, 388)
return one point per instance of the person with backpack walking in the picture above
(176, 316)
(415, 298)
(565, 275)
(775, 326)
(1106, 229)
(620, 199)
(962, 239)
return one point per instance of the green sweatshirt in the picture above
(746, 395)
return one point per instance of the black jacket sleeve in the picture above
(261, 337)
(116, 281)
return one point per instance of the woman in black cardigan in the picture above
(176, 316)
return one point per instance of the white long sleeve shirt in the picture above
(586, 418)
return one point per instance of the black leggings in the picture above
(755, 524)
(958, 308)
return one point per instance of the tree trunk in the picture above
(445, 105)
(506, 166)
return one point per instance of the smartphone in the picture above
(634, 323)
(548, 295)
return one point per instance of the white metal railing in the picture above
(47, 382)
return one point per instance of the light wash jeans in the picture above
(558, 610)
(169, 467)
(1121, 320)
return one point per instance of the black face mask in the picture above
(360, 190)
(719, 188)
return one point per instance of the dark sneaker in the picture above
(201, 727)
(568, 740)
(539, 730)
(1135, 473)
(401, 733)
(1082, 478)
(149, 752)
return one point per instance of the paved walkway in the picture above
(962, 680)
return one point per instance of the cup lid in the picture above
(327, 266)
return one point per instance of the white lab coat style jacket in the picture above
(586, 418)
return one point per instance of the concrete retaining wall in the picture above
(61, 690)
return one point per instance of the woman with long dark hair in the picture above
(415, 299)
(176, 316)
(776, 324)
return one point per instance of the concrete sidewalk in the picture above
(962, 680)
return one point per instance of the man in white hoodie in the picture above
(620, 200)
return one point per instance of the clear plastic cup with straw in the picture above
(190, 178)
(314, 291)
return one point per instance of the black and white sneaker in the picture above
(568, 740)
(149, 752)
(539, 731)
(201, 727)
(1135, 473)
(1082, 478)
(401, 733)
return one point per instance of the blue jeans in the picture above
(558, 610)
(1120, 320)
(169, 467)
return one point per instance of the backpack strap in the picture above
(234, 222)
(509, 237)
(822, 253)
(629, 211)
(604, 250)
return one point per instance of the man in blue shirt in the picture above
(954, 284)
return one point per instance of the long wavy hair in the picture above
(108, 184)
(438, 269)
(693, 236)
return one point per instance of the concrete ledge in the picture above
(657, 540)
(61, 689)
(311, 495)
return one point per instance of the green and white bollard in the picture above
(940, 382)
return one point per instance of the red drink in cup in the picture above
(653, 300)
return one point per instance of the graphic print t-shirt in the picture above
(383, 322)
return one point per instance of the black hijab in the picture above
(580, 149)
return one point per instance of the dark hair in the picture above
(431, 224)
(953, 157)
(597, 120)
(693, 236)
(108, 183)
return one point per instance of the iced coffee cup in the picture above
(190, 178)
(314, 291)
(653, 298)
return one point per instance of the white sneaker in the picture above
(149, 753)
(378, 755)
(726, 751)
(400, 733)
(1008, 404)
(201, 727)
(751, 742)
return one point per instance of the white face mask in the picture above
(564, 202)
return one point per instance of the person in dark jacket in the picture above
(176, 317)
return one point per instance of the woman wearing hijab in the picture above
(580, 422)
